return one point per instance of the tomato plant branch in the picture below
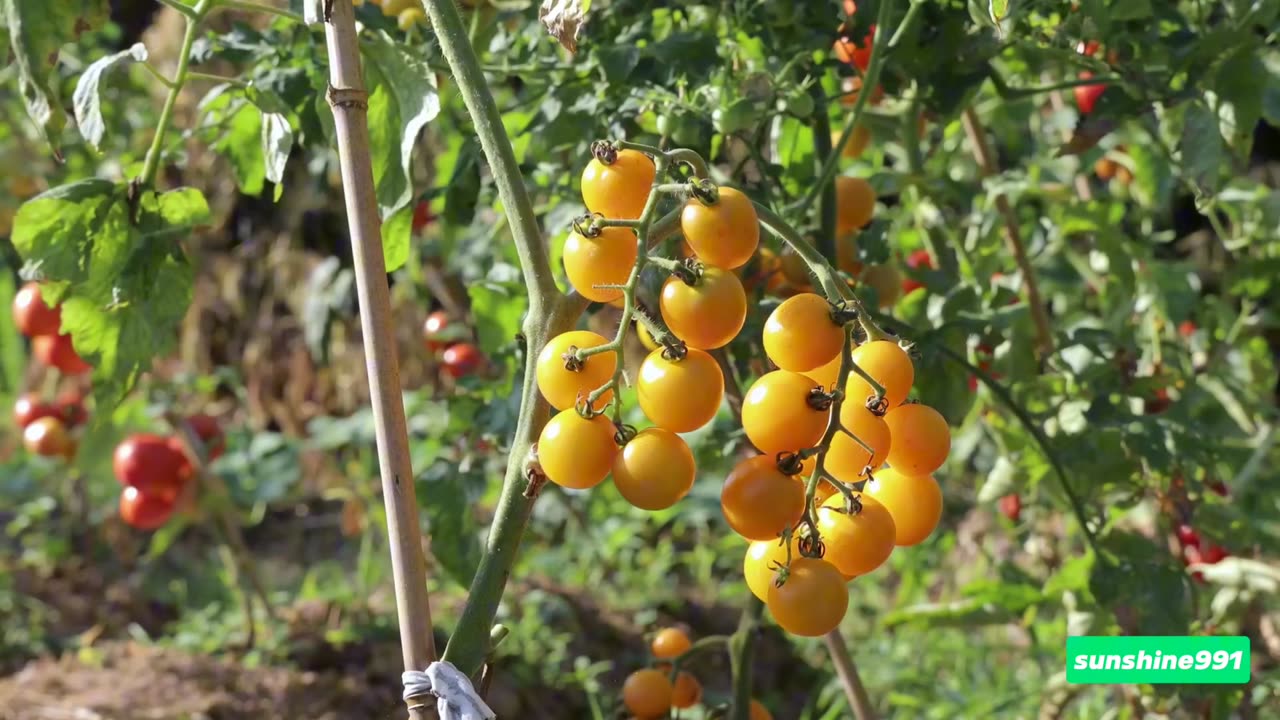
(348, 100)
(822, 149)
(879, 47)
(854, 690)
(248, 6)
(152, 166)
(180, 7)
(987, 163)
(741, 643)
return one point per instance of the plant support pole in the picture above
(349, 102)
(854, 690)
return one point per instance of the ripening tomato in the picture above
(760, 566)
(857, 54)
(1011, 506)
(917, 260)
(563, 387)
(152, 464)
(435, 331)
(143, 511)
(846, 459)
(856, 543)
(47, 437)
(889, 365)
(461, 359)
(680, 395)
(767, 274)
(575, 452)
(921, 439)
(56, 351)
(801, 334)
(647, 693)
(393, 8)
(778, 414)
(857, 144)
(847, 254)
(411, 18)
(707, 314)
(794, 269)
(30, 408)
(914, 502)
(1087, 95)
(654, 470)
(422, 215)
(852, 87)
(686, 692)
(1187, 535)
(724, 235)
(647, 339)
(887, 281)
(760, 501)
(759, 711)
(32, 315)
(1105, 168)
(669, 643)
(855, 203)
(620, 190)
(813, 600)
(606, 259)
(209, 430)
(71, 410)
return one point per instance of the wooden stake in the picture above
(349, 101)
(854, 690)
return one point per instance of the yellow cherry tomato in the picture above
(654, 470)
(914, 501)
(855, 203)
(857, 144)
(669, 643)
(778, 416)
(563, 387)
(801, 335)
(575, 452)
(647, 693)
(680, 395)
(813, 600)
(411, 18)
(709, 313)
(760, 566)
(621, 189)
(846, 458)
(606, 259)
(890, 366)
(921, 439)
(723, 235)
(759, 501)
(856, 544)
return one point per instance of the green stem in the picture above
(1011, 93)
(822, 149)
(183, 8)
(217, 78)
(152, 166)
(690, 158)
(248, 6)
(549, 315)
(878, 48)
(157, 74)
(741, 644)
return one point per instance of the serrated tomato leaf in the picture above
(1201, 147)
(86, 100)
(396, 231)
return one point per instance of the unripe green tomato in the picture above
(797, 103)
(736, 117)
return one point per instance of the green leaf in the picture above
(86, 100)
(396, 231)
(1139, 581)
(1241, 81)
(999, 9)
(277, 142)
(242, 146)
(454, 539)
(54, 230)
(1201, 147)
(37, 30)
(403, 100)
(12, 357)
(497, 309)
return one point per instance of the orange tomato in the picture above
(856, 544)
(801, 334)
(777, 415)
(654, 470)
(855, 203)
(889, 365)
(759, 501)
(724, 235)
(921, 439)
(680, 395)
(813, 600)
(606, 259)
(857, 144)
(760, 566)
(687, 691)
(563, 387)
(576, 452)
(846, 458)
(621, 189)
(914, 501)
(669, 643)
(707, 314)
(647, 693)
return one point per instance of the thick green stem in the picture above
(152, 166)
(452, 35)
(740, 646)
(869, 80)
(549, 315)
(835, 290)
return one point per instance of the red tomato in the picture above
(461, 359)
(433, 330)
(56, 351)
(210, 433)
(32, 316)
(1214, 554)
(1187, 535)
(1087, 95)
(143, 511)
(422, 216)
(1218, 487)
(916, 260)
(151, 464)
(31, 408)
(857, 54)
(1187, 328)
(1087, 48)
(1011, 506)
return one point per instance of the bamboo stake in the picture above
(349, 102)
(854, 690)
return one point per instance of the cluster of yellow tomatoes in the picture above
(408, 13)
(785, 413)
(652, 692)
